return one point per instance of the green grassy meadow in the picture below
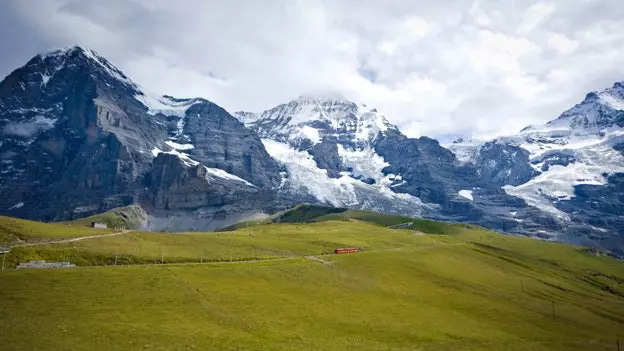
(129, 217)
(464, 288)
(14, 230)
(268, 241)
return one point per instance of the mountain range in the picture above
(78, 137)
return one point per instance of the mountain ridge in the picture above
(80, 137)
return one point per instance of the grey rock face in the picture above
(77, 139)
(82, 157)
(501, 163)
(599, 212)
(326, 156)
(221, 141)
(431, 171)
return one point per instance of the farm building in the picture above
(98, 225)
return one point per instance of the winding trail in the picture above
(317, 258)
(72, 239)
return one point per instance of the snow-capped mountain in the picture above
(340, 153)
(77, 136)
(326, 148)
(308, 119)
(578, 166)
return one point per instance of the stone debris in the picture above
(402, 225)
(44, 264)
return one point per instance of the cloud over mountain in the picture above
(444, 68)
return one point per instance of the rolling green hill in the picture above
(307, 213)
(130, 217)
(14, 231)
(278, 286)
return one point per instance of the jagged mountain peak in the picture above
(598, 111)
(102, 69)
(70, 51)
(334, 98)
(72, 56)
(315, 117)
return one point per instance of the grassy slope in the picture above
(268, 241)
(132, 217)
(384, 220)
(473, 290)
(13, 230)
(306, 213)
(303, 213)
(445, 297)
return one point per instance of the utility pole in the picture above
(115, 258)
(3, 258)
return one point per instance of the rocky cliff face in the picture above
(570, 168)
(79, 137)
(343, 154)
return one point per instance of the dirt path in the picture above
(318, 259)
(72, 239)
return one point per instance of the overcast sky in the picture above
(440, 68)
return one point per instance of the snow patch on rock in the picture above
(304, 176)
(30, 128)
(225, 175)
(466, 194)
(182, 156)
(177, 146)
(16, 206)
(165, 105)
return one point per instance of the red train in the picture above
(346, 250)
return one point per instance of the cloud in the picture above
(444, 68)
(534, 16)
(562, 43)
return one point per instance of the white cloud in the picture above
(562, 43)
(535, 15)
(473, 68)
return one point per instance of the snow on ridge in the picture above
(16, 206)
(165, 105)
(245, 117)
(466, 194)
(465, 151)
(182, 156)
(364, 163)
(45, 78)
(30, 128)
(307, 132)
(326, 97)
(225, 175)
(612, 101)
(210, 172)
(370, 124)
(557, 184)
(304, 176)
(298, 119)
(177, 146)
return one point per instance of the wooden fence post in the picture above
(553, 310)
